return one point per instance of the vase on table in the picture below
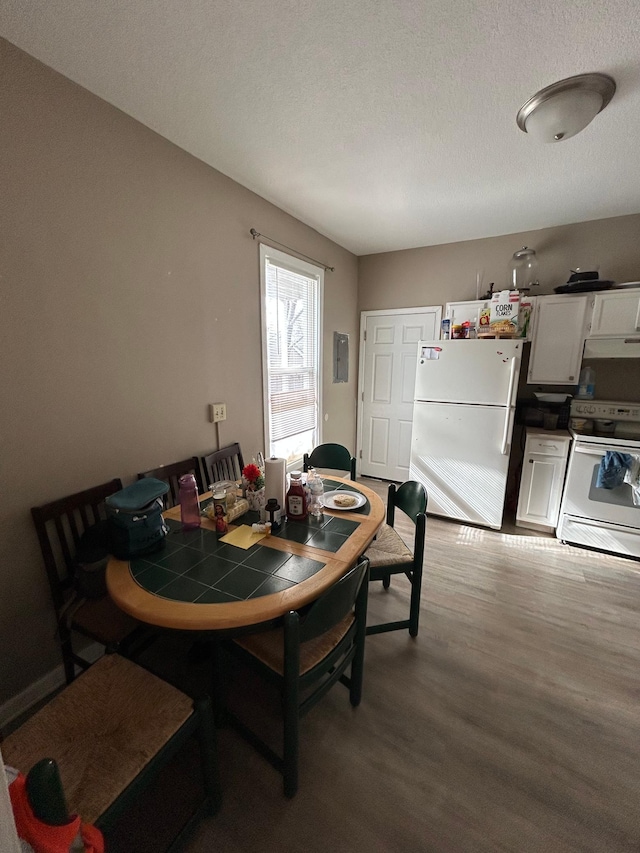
(256, 499)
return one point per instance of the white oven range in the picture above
(606, 519)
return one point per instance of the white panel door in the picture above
(390, 346)
(461, 456)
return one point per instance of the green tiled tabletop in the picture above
(174, 587)
(195, 566)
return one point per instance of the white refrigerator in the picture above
(463, 413)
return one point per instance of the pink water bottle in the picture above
(189, 506)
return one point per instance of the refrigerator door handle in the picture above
(506, 445)
(512, 381)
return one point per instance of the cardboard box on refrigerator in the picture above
(524, 316)
(505, 308)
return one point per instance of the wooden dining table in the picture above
(198, 582)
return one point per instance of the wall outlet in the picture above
(219, 412)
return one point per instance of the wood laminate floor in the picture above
(510, 724)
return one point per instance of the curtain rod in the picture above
(255, 234)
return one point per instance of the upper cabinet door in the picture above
(616, 313)
(461, 312)
(558, 338)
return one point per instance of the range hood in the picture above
(612, 347)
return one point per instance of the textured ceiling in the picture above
(385, 124)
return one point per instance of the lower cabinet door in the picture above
(540, 491)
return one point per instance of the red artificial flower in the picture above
(251, 473)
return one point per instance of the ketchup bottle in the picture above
(296, 501)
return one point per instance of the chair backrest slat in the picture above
(410, 497)
(333, 605)
(66, 540)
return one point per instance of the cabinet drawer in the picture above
(551, 446)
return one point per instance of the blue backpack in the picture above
(134, 518)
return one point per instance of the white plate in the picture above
(329, 500)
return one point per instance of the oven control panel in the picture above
(602, 409)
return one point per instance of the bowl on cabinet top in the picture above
(550, 398)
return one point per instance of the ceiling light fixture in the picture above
(565, 108)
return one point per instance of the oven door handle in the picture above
(596, 449)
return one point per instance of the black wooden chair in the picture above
(333, 456)
(60, 526)
(223, 464)
(110, 733)
(389, 555)
(314, 647)
(171, 474)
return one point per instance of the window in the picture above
(291, 335)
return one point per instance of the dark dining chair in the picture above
(171, 474)
(223, 464)
(333, 456)
(110, 733)
(61, 525)
(389, 555)
(305, 658)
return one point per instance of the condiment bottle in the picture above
(275, 514)
(586, 387)
(316, 487)
(296, 501)
(189, 506)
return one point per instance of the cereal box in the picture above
(505, 306)
(524, 316)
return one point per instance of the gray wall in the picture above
(434, 275)
(129, 301)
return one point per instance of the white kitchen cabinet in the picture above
(615, 313)
(559, 330)
(543, 470)
(462, 312)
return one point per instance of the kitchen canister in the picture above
(275, 473)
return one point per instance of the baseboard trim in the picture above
(40, 689)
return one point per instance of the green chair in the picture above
(333, 456)
(305, 658)
(388, 554)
